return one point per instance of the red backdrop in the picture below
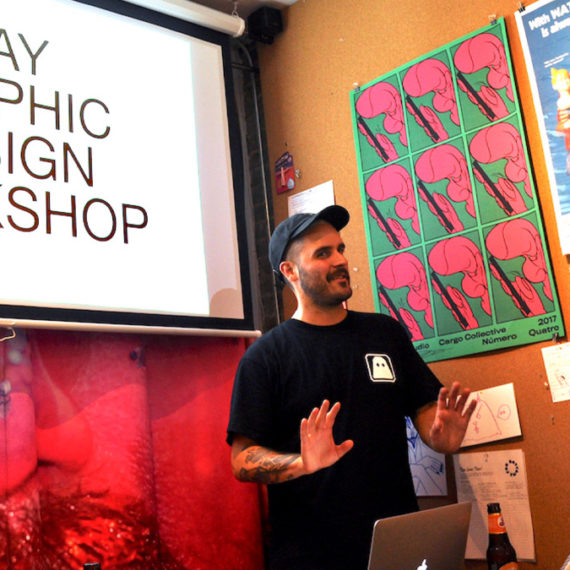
(112, 450)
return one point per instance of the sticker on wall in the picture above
(284, 173)
(456, 245)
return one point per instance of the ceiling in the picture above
(244, 7)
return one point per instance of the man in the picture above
(324, 496)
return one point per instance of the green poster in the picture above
(454, 231)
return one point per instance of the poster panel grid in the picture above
(456, 244)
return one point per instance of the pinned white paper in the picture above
(495, 477)
(557, 364)
(495, 417)
(426, 465)
(311, 200)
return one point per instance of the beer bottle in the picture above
(500, 553)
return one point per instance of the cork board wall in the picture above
(328, 47)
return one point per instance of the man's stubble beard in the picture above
(317, 289)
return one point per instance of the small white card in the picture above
(557, 363)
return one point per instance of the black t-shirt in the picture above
(368, 364)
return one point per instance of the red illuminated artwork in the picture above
(102, 463)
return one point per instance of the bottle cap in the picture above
(493, 508)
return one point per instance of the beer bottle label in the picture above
(496, 524)
(509, 566)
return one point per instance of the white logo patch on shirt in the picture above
(380, 368)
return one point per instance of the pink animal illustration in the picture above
(456, 302)
(419, 80)
(447, 162)
(406, 270)
(393, 229)
(432, 75)
(383, 146)
(477, 53)
(520, 238)
(384, 98)
(459, 254)
(394, 181)
(503, 141)
(437, 202)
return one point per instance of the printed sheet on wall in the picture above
(455, 238)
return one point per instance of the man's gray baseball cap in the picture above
(295, 225)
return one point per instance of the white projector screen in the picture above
(117, 202)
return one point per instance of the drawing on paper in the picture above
(495, 416)
(427, 466)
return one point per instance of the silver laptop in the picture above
(433, 539)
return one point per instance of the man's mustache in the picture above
(339, 273)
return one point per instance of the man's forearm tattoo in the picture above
(263, 468)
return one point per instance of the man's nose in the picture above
(339, 259)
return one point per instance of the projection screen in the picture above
(120, 171)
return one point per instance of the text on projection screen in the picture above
(112, 165)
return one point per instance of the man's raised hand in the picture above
(318, 448)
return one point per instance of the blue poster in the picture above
(544, 28)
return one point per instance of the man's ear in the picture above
(289, 270)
